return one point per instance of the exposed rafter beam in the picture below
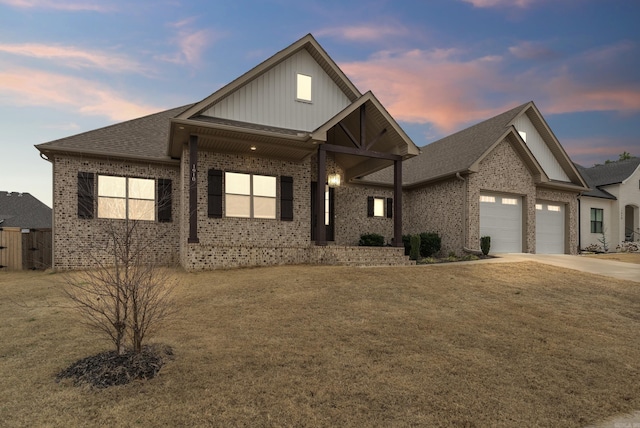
(349, 134)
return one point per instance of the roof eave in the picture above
(101, 154)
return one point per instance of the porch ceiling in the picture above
(225, 136)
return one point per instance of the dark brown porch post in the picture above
(321, 229)
(397, 206)
(193, 190)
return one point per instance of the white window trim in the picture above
(301, 93)
(251, 195)
(126, 198)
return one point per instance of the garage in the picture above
(550, 236)
(501, 219)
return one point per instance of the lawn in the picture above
(514, 344)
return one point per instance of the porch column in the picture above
(397, 206)
(193, 190)
(321, 229)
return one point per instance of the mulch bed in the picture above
(109, 369)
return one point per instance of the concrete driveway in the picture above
(611, 268)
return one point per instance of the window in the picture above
(250, 196)
(509, 201)
(596, 220)
(523, 135)
(554, 208)
(539, 207)
(379, 207)
(126, 198)
(303, 87)
(490, 199)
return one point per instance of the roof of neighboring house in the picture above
(24, 211)
(462, 151)
(607, 174)
(144, 138)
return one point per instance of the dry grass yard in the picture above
(514, 344)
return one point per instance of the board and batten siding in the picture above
(270, 99)
(540, 150)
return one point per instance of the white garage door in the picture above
(549, 228)
(501, 219)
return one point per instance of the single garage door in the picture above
(550, 237)
(501, 219)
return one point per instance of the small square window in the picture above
(555, 208)
(509, 201)
(303, 87)
(490, 199)
(539, 207)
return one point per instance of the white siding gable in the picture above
(539, 149)
(270, 99)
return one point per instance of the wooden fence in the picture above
(25, 248)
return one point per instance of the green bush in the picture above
(485, 244)
(406, 241)
(371, 240)
(414, 253)
(430, 244)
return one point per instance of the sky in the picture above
(438, 66)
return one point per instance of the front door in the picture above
(329, 197)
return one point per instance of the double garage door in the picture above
(501, 219)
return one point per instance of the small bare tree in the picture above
(125, 294)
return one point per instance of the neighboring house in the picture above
(25, 232)
(507, 177)
(291, 157)
(612, 206)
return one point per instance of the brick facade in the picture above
(78, 242)
(444, 207)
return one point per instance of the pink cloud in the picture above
(593, 150)
(74, 6)
(430, 86)
(191, 44)
(364, 33)
(500, 3)
(74, 57)
(30, 87)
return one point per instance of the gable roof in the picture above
(608, 174)
(143, 138)
(307, 42)
(23, 210)
(461, 152)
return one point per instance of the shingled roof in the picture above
(24, 211)
(143, 138)
(452, 154)
(605, 175)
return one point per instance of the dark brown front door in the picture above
(329, 207)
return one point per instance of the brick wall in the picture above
(439, 208)
(79, 242)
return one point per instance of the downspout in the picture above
(464, 218)
(579, 223)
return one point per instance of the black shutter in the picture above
(164, 200)
(286, 198)
(214, 192)
(389, 207)
(370, 206)
(86, 188)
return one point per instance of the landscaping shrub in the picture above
(371, 240)
(406, 241)
(628, 247)
(485, 244)
(414, 252)
(430, 244)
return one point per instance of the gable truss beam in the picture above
(362, 144)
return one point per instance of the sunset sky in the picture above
(69, 66)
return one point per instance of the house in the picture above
(25, 232)
(612, 207)
(291, 163)
(233, 179)
(507, 177)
